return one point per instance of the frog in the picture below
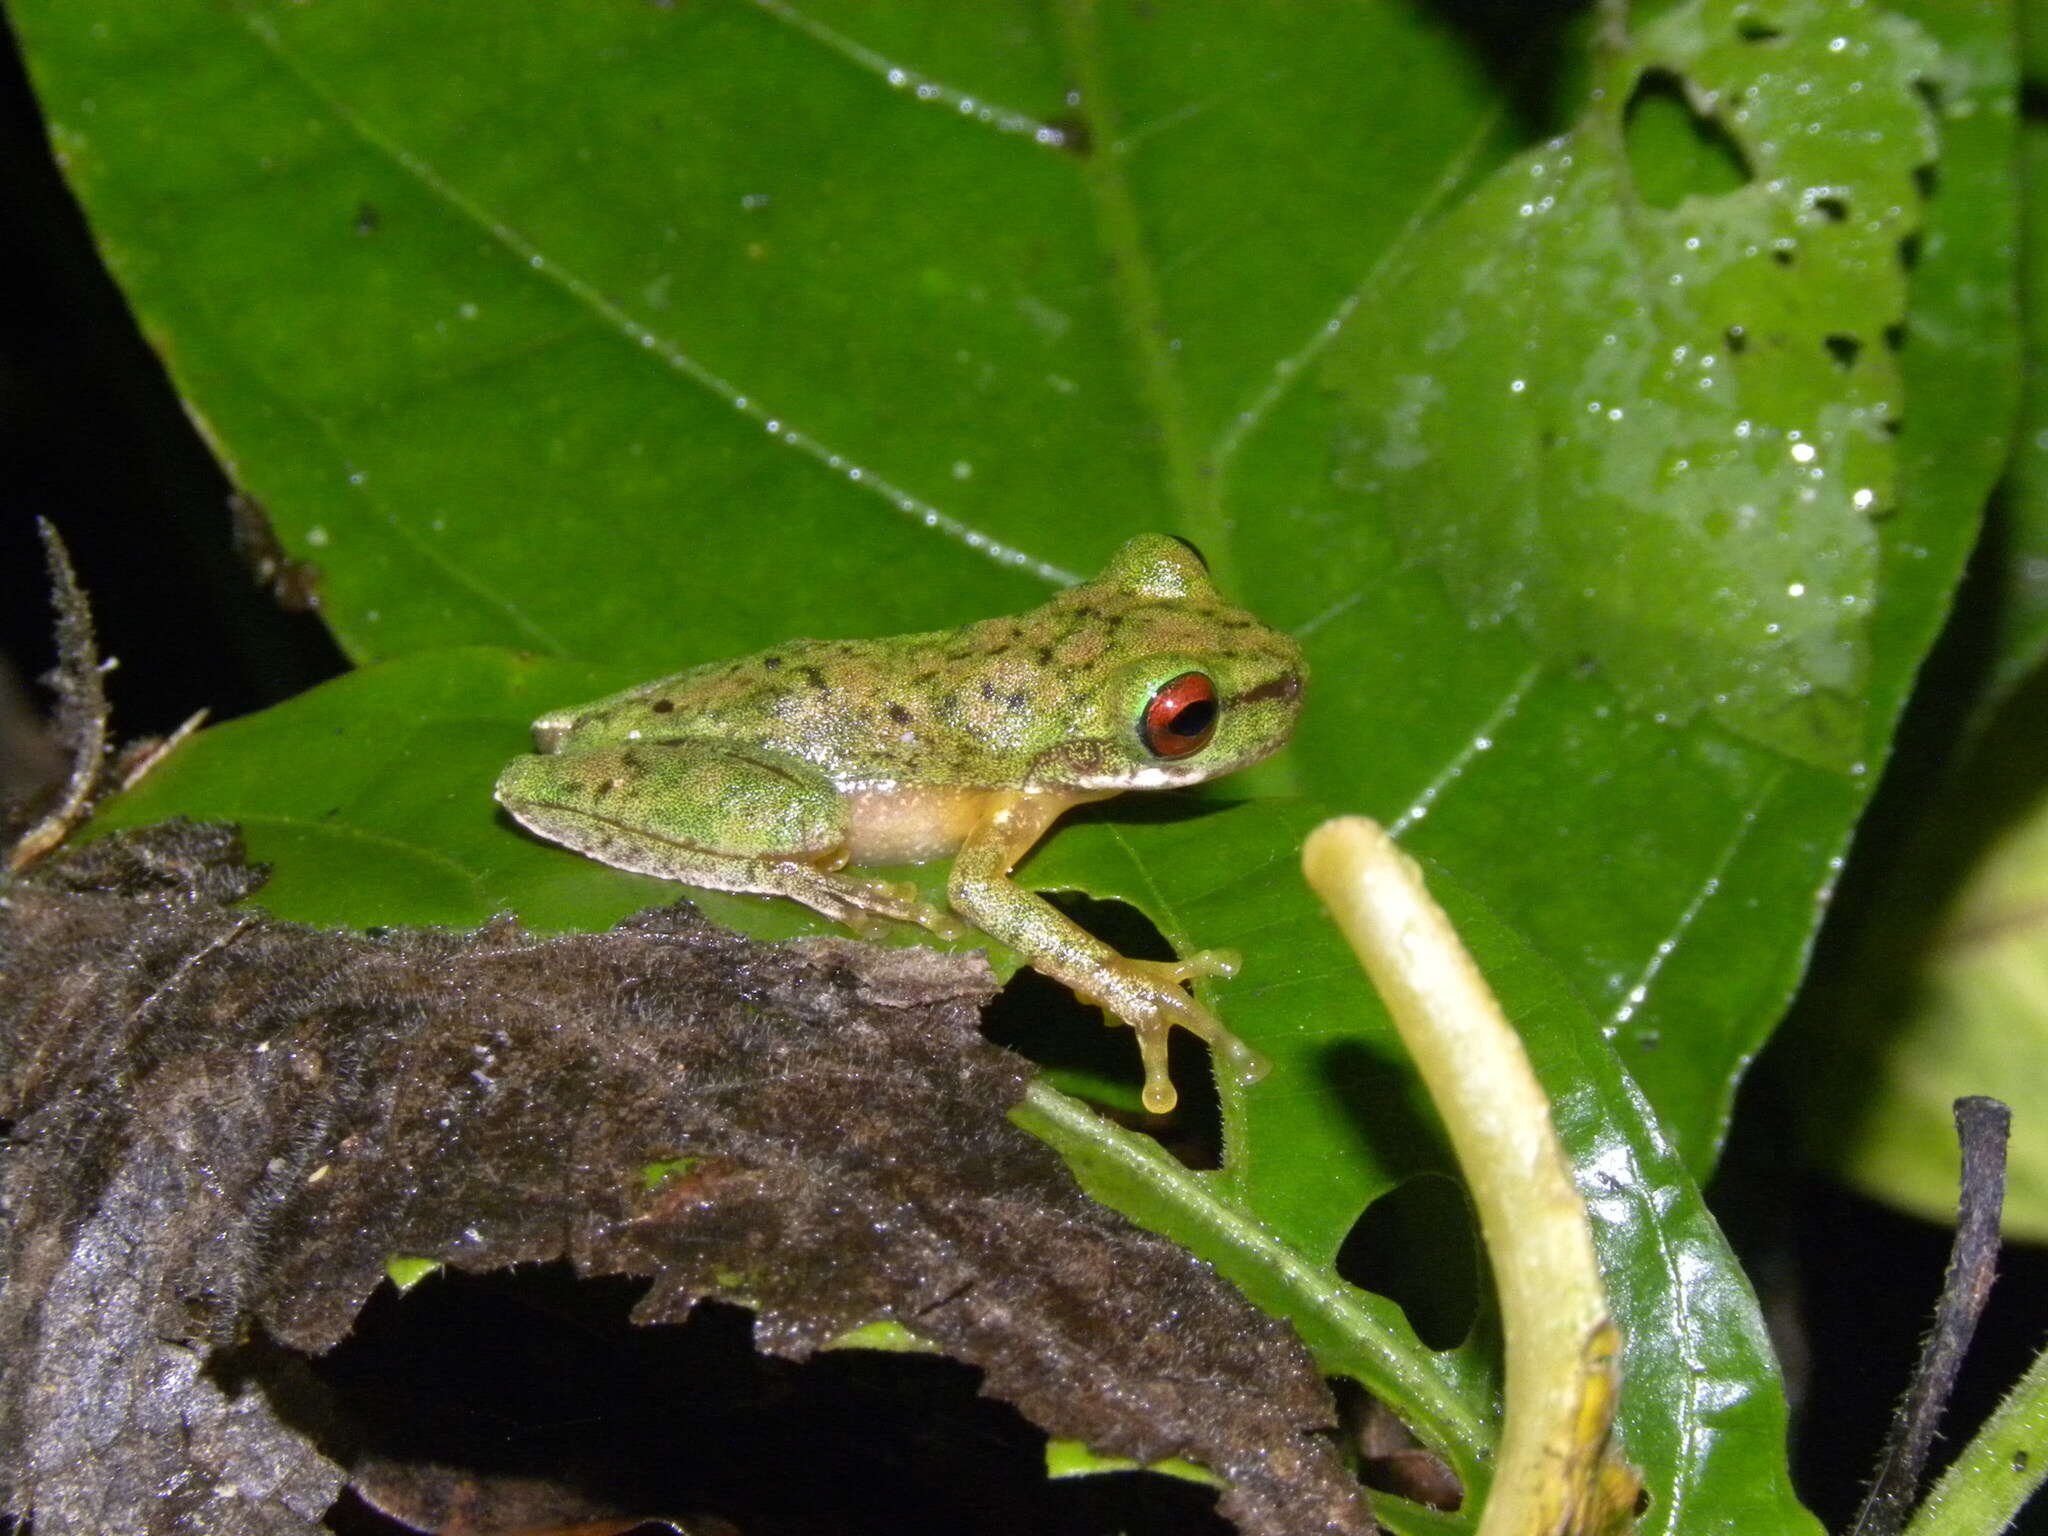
(784, 772)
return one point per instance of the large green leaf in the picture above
(508, 319)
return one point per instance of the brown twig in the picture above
(81, 719)
(1982, 1125)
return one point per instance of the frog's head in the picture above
(1178, 686)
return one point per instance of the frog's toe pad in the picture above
(1221, 964)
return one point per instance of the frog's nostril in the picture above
(1286, 689)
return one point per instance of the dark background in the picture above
(94, 440)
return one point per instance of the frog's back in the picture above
(1053, 699)
(861, 710)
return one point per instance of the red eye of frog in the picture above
(1180, 717)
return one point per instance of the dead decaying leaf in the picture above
(222, 1126)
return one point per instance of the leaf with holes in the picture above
(1696, 389)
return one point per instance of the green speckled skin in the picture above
(770, 772)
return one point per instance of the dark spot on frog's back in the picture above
(772, 662)
(662, 706)
(899, 714)
(988, 690)
(815, 678)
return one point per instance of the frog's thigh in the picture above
(667, 810)
(708, 816)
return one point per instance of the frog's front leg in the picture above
(711, 816)
(1145, 994)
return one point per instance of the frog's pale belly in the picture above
(916, 825)
(911, 825)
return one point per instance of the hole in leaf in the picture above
(1416, 1246)
(1675, 152)
(1843, 349)
(1909, 252)
(1737, 339)
(1783, 255)
(531, 1384)
(1926, 181)
(1754, 29)
(1390, 1458)
(1085, 1055)
(1890, 426)
(1834, 209)
(1895, 336)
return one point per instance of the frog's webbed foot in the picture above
(1148, 996)
(865, 906)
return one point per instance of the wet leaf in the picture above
(1694, 390)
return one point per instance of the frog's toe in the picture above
(867, 926)
(1220, 964)
(1158, 1096)
(899, 900)
(1245, 1064)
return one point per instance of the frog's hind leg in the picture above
(853, 901)
(712, 817)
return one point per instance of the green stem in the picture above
(1983, 1490)
(1352, 1332)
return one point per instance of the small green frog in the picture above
(772, 773)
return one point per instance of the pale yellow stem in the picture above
(1556, 1472)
